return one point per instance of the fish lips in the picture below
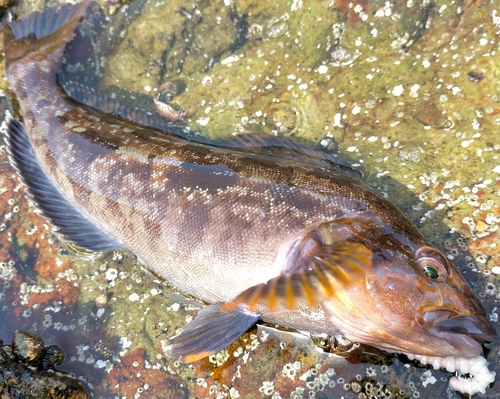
(476, 327)
(462, 332)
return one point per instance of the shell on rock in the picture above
(169, 89)
(52, 356)
(336, 344)
(27, 348)
(166, 93)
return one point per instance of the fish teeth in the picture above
(480, 375)
(463, 365)
(436, 363)
(423, 359)
(450, 364)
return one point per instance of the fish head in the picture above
(412, 300)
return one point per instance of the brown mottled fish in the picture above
(259, 236)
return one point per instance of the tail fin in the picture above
(42, 32)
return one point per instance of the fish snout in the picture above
(477, 327)
(459, 333)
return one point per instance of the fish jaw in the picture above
(463, 333)
(398, 309)
(475, 326)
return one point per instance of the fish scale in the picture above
(259, 235)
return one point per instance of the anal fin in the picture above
(211, 331)
(72, 224)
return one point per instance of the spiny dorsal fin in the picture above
(280, 147)
(88, 96)
(331, 269)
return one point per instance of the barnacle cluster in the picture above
(370, 388)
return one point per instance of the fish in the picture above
(257, 235)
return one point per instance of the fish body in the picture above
(258, 236)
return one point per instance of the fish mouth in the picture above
(464, 333)
(476, 327)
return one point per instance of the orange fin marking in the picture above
(321, 276)
(306, 285)
(252, 296)
(331, 269)
(196, 356)
(271, 294)
(228, 306)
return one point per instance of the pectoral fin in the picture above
(330, 269)
(70, 222)
(211, 331)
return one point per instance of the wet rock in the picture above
(27, 371)
(4, 5)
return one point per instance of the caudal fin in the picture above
(43, 33)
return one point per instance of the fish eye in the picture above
(432, 264)
(432, 267)
(430, 272)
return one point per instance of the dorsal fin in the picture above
(331, 269)
(287, 149)
(88, 96)
(275, 146)
(72, 224)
